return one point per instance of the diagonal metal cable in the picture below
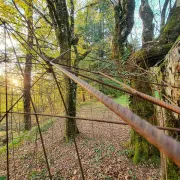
(145, 96)
(169, 146)
(66, 109)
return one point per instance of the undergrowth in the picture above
(27, 135)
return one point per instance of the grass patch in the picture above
(123, 100)
(27, 135)
(2, 178)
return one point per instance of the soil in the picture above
(103, 150)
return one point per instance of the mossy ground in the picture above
(27, 135)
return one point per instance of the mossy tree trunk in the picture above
(156, 50)
(64, 28)
(142, 149)
(64, 33)
(153, 53)
(28, 67)
(170, 70)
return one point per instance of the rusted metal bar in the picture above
(42, 140)
(145, 96)
(21, 97)
(135, 93)
(79, 159)
(6, 91)
(95, 120)
(59, 89)
(119, 76)
(163, 142)
(101, 82)
(66, 109)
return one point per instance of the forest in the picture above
(89, 89)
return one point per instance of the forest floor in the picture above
(103, 150)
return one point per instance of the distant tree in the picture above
(63, 24)
(28, 66)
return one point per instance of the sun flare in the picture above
(15, 82)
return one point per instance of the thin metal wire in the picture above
(146, 97)
(94, 120)
(37, 121)
(134, 93)
(119, 76)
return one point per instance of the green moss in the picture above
(159, 50)
(141, 53)
(27, 135)
(145, 147)
(171, 30)
(173, 172)
(178, 39)
(170, 25)
(143, 151)
(137, 153)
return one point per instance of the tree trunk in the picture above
(124, 21)
(170, 70)
(28, 67)
(64, 33)
(163, 14)
(142, 149)
(147, 16)
(153, 53)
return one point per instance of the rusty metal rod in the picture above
(134, 92)
(119, 76)
(59, 89)
(101, 82)
(6, 91)
(42, 140)
(145, 96)
(66, 109)
(94, 120)
(169, 146)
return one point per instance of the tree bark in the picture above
(124, 21)
(153, 53)
(143, 151)
(60, 18)
(28, 67)
(66, 38)
(163, 14)
(170, 72)
(147, 16)
(156, 50)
